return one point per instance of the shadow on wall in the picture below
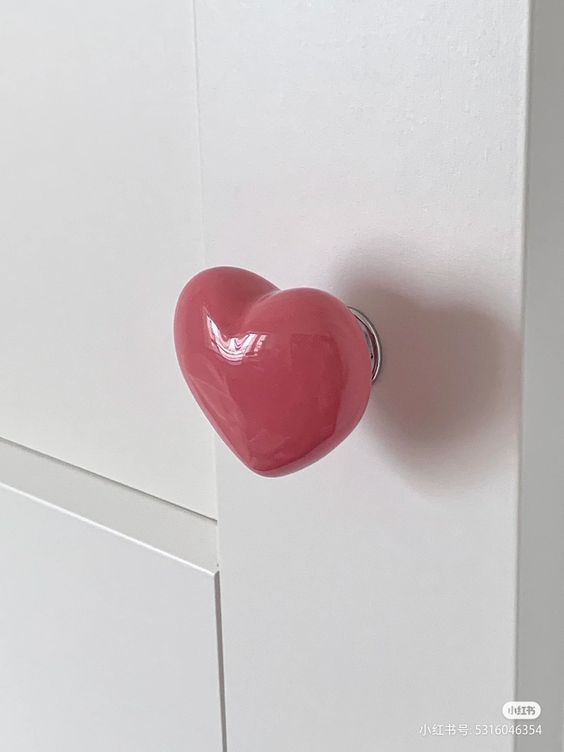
(446, 403)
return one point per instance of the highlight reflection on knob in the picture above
(282, 375)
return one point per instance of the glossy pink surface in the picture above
(282, 375)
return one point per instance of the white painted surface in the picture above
(105, 644)
(541, 543)
(156, 523)
(100, 228)
(376, 150)
(372, 149)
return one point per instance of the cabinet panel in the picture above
(541, 514)
(100, 227)
(105, 644)
(376, 150)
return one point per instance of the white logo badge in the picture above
(522, 710)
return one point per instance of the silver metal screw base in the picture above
(372, 340)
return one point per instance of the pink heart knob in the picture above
(282, 375)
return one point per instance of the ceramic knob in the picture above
(282, 375)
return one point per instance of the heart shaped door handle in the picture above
(282, 375)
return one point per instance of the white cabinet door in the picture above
(105, 643)
(377, 150)
(100, 227)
